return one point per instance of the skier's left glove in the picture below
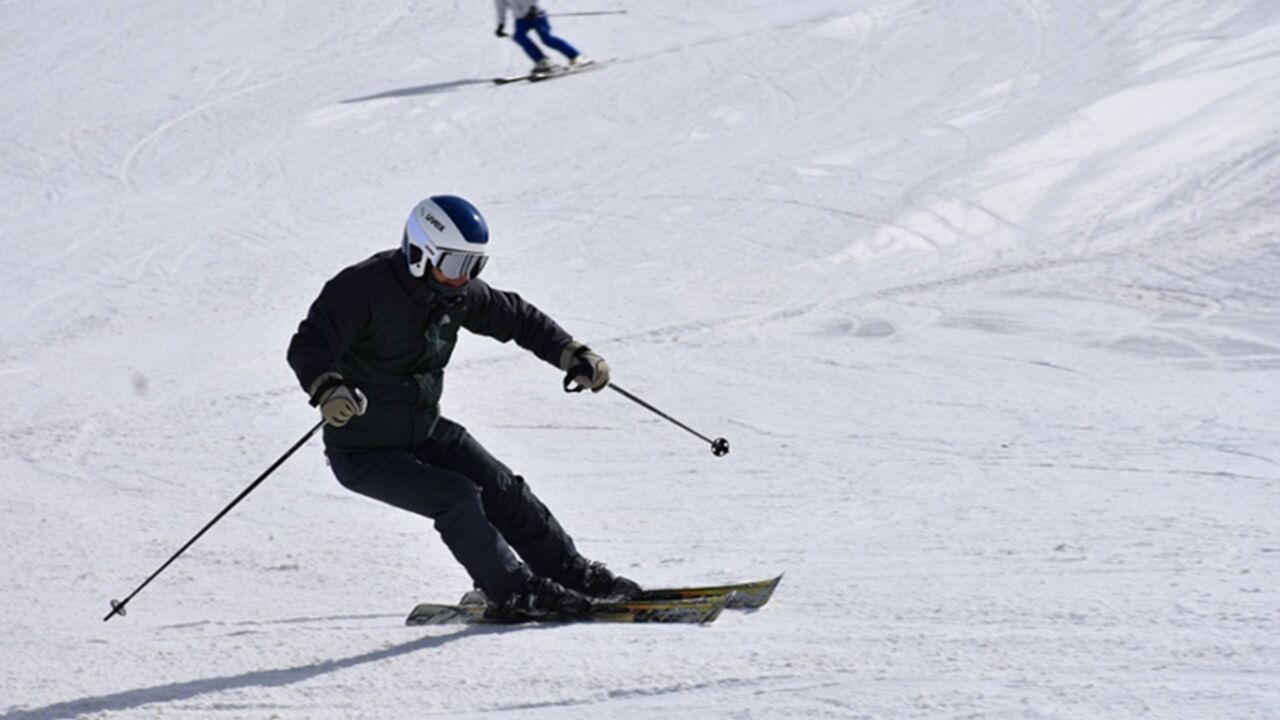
(501, 31)
(583, 367)
(339, 400)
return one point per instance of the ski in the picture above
(555, 72)
(737, 596)
(512, 79)
(697, 611)
(562, 70)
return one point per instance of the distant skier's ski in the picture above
(512, 79)
(555, 72)
(737, 596)
(697, 610)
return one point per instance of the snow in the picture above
(983, 294)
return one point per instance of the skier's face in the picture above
(443, 279)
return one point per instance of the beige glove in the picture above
(583, 367)
(338, 400)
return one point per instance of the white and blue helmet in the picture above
(446, 232)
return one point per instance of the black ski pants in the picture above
(481, 509)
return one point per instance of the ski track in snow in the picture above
(982, 294)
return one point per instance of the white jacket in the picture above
(518, 8)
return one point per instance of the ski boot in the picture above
(543, 67)
(595, 580)
(539, 598)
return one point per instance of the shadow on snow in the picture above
(174, 692)
(420, 90)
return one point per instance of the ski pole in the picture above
(719, 446)
(117, 606)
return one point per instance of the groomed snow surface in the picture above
(983, 293)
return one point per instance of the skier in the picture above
(531, 17)
(371, 355)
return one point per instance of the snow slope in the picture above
(983, 293)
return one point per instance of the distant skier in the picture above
(384, 329)
(531, 17)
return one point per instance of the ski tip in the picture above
(754, 598)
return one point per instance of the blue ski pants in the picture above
(481, 509)
(542, 26)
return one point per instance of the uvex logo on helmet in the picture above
(448, 233)
(434, 222)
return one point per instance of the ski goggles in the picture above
(452, 263)
(456, 264)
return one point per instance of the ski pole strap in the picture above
(330, 382)
(579, 367)
(569, 385)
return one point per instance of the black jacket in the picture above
(391, 335)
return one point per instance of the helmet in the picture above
(446, 232)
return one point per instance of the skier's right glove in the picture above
(501, 31)
(339, 401)
(584, 368)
